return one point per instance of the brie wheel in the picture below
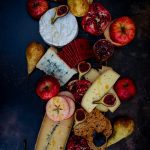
(62, 32)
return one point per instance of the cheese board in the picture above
(22, 111)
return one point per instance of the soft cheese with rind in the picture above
(98, 89)
(53, 135)
(62, 32)
(51, 64)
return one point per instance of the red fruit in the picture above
(57, 108)
(96, 20)
(71, 106)
(77, 143)
(78, 88)
(125, 88)
(47, 87)
(122, 30)
(36, 8)
(103, 49)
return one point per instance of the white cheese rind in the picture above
(53, 135)
(98, 89)
(52, 64)
(62, 32)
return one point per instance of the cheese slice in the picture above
(53, 135)
(52, 64)
(91, 75)
(98, 89)
(62, 32)
(104, 68)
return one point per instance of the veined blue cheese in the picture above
(62, 32)
(53, 65)
(53, 135)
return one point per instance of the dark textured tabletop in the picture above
(21, 111)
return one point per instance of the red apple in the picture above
(47, 87)
(122, 30)
(36, 8)
(125, 88)
(107, 36)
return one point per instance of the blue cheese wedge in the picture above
(62, 32)
(51, 64)
(53, 135)
(98, 89)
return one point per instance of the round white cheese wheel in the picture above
(62, 32)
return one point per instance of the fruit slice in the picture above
(113, 107)
(66, 93)
(71, 106)
(103, 50)
(60, 11)
(34, 52)
(80, 116)
(57, 108)
(78, 88)
(83, 68)
(98, 89)
(109, 100)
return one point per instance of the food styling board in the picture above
(22, 111)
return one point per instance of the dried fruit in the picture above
(60, 11)
(83, 68)
(108, 100)
(80, 116)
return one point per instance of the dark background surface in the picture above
(21, 111)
